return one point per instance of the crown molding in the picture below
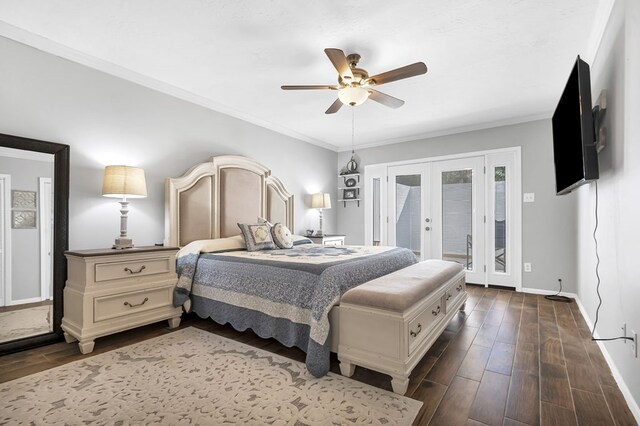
(26, 155)
(57, 49)
(453, 131)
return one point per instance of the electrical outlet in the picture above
(624, 331)
(527, 267)
(529, 197)
(634, 344)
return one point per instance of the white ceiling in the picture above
(490, 62)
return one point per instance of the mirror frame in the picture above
(60, 237)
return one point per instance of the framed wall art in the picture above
(23, 219)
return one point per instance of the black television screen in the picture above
(574, 148)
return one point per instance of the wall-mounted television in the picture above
(574, 146)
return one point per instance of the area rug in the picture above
(192, 377)
(24, 323)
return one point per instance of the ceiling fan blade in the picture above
(399, 73)
(385, 99)
(339, 61)
(334, 107)
(308, 87)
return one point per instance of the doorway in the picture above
(462, 208)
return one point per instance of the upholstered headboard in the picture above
(211, 198)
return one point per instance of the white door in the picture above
(46, 237)
(458, 215)
(409, 208)
(5, 239)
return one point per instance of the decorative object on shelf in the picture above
(350, 182)
(320, 201)
(124, 182)
(349, 194)
(309, 232)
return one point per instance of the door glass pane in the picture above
(376, 211)
(457, 217)
(500, 254)
(408, 212)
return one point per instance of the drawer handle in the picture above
(415, 333)
(142, 268)
(436, 312)
(459, 288)
(139, 304)
(448, 296)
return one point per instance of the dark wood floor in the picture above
(508, 359)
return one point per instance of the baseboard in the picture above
(633, 405)
(548, 292)
(25, 301)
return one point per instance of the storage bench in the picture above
(388, 324)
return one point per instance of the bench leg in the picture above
(347, 369)
(69, 338)
(399, 384)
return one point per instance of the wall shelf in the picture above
(355, 189)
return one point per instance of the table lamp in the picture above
(320, 200)
(124, 182)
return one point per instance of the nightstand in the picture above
(329, 239)
(109, 290)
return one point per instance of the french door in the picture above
(457, 210)
(464, 210)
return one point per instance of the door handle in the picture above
(427, 228)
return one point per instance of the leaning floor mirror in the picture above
(34, 214)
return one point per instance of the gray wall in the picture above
(107, 120)
(616, 68)
(25, 243)
(548, 225)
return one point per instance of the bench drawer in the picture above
(132, 268)
(420, 326)
(454, 292)
(118, 305)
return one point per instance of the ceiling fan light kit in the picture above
(353, 96)
(354, 84)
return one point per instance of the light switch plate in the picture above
(527, 267)
(529, 197)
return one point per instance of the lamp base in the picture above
(123, 243)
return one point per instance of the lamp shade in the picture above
(124, 181)
(353, 95)
(321, 200)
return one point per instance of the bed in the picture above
(292, 294)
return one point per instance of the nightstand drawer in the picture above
(108, 307)
(132, 268)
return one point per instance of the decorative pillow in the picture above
(257, 237)
(282, 236)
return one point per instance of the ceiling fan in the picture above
(354, 84)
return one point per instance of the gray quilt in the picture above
(284, 294)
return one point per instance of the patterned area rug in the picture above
(194, 377)
(24, 323)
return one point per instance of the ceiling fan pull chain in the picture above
(353, 129)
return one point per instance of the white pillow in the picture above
(208, 246)
(282, 236)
